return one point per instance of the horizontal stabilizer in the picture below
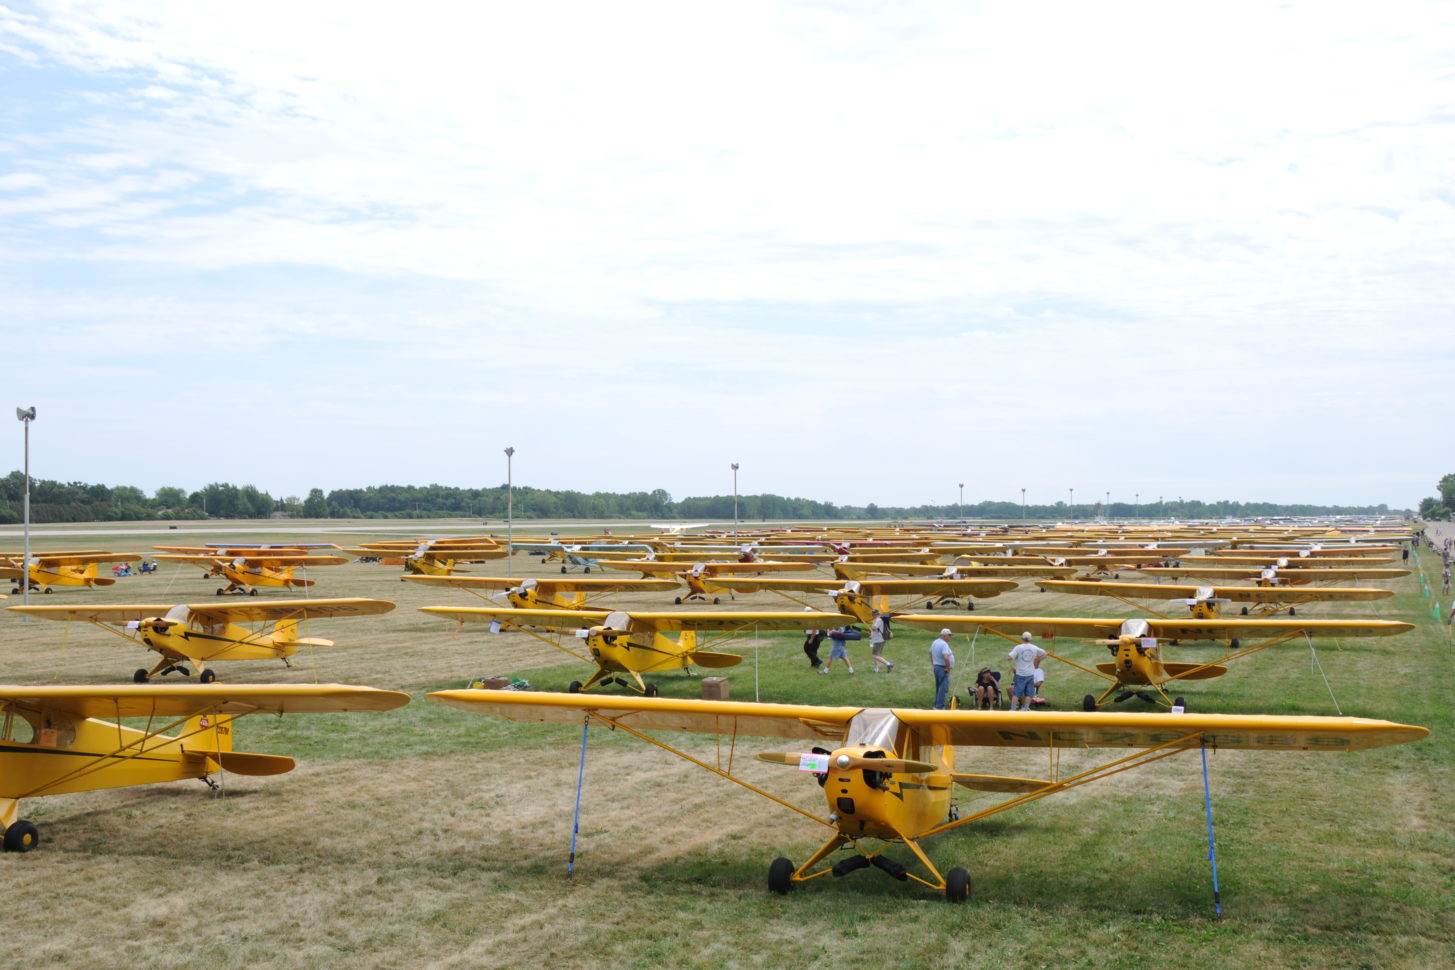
(242, 763)
(304, 642)
(999, 783)
(1198, 671)
(709, 658)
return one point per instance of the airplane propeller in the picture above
(849, 762)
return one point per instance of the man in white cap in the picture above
(1027, 658)
(942, 659)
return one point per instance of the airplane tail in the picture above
(285, 637)
(208, 738)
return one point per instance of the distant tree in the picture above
(315, 506)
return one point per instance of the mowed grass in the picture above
(427, 837)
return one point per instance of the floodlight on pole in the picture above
(961, 507)
(735, 498)
(26, 415)
(1070, 501)
(509, 510)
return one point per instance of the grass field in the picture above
(427, 837)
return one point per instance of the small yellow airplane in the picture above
(433, 557)
(888, 775)
(547, 594)
(637, 643)
(864, 570)
(1205, 602)
(47, 569)
(859, 598)
(1136, 663)
(252, 571)
(1272, 575)
(52, 740)
(701, 577)
(201, 633)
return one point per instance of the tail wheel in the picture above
(1088, 703)
(22, 836)
(140, 677)
(780, 875)
(957, 885)
(207, 676)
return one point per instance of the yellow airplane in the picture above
(201, 633)
(548, 594)
(1136, 662)
(863, 570)
(637, 643)
(701, 577)
(52, 740)
(433, 557)
(888, 775)
(859, 598)
(1272, 575)
(1205, 602)
(47, 569)
(252, 571)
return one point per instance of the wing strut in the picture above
(580, 780)
(1212, 849)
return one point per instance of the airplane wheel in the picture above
(253, 591)
(1179, 702)
(957, 885)
(140, 677)
(207, 676)
(219, 591)
(1116, 575)
(1293, 611)
(563, 570)
(1245, 611)
(716, 600)
(47, 591)
(929, 605)
(1088, 703)
(780, 874)
(652, 690)
(22, 836)
(1234, 644)
(969, 605)
(574, 687)
(678, 601)
(587, 570)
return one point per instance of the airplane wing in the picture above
(642, 622)
(100, 614)
(47, 559)
(1046, 729)
(269, 560)
(1188, 629)
(186, 700)
(1237, 594)
(267, 610)
(551, 586)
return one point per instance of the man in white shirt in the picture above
(942, 659)
(1027, 658)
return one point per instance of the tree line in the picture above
(52, 501)
(1437, 508)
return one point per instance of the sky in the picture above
(866, 251)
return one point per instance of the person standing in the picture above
(942, 659)
(837, 651)
(1027, 658)
(877, 639)
(811, 640)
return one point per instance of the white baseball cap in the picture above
(947, 633)
(1026, 635)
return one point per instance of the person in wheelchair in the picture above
(986, 689)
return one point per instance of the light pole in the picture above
(26, 415)
(1070, 501)
(509, 511)
(1107, 506)
(961, 506)
(1023, 505)
(1136, 504)
(735, 498)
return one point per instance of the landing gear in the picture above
(1245, 611)
(1088, 703)
(716, 600)
(574, 687)
(652, 691)
(140, 677)
(207, 676)
(1234, 644)
(1293, 611)
(969, 605)
(1180, 702)
(563, 570)
(253, 591)
(929, 605)
(678, 601)
(220, 591)
(587, 570)
(780, 873)
(22, 836)
(957, 885)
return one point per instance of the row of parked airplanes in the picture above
(887, 774)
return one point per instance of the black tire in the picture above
(563, 570)
(207, 676)
(1180, 702)
(957, 885)
(587, 570)
(140, 677)
(1088, 703)
(780, 876)
(1234, 644)
(219, 591)
(574, 687)
(929, 605)
(47, 591)
(969, 605)
(22, 836)
(678, 601)
(716, 600)
(652, 690)
(1245, 611)
(1293, 611)
(253, 591)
